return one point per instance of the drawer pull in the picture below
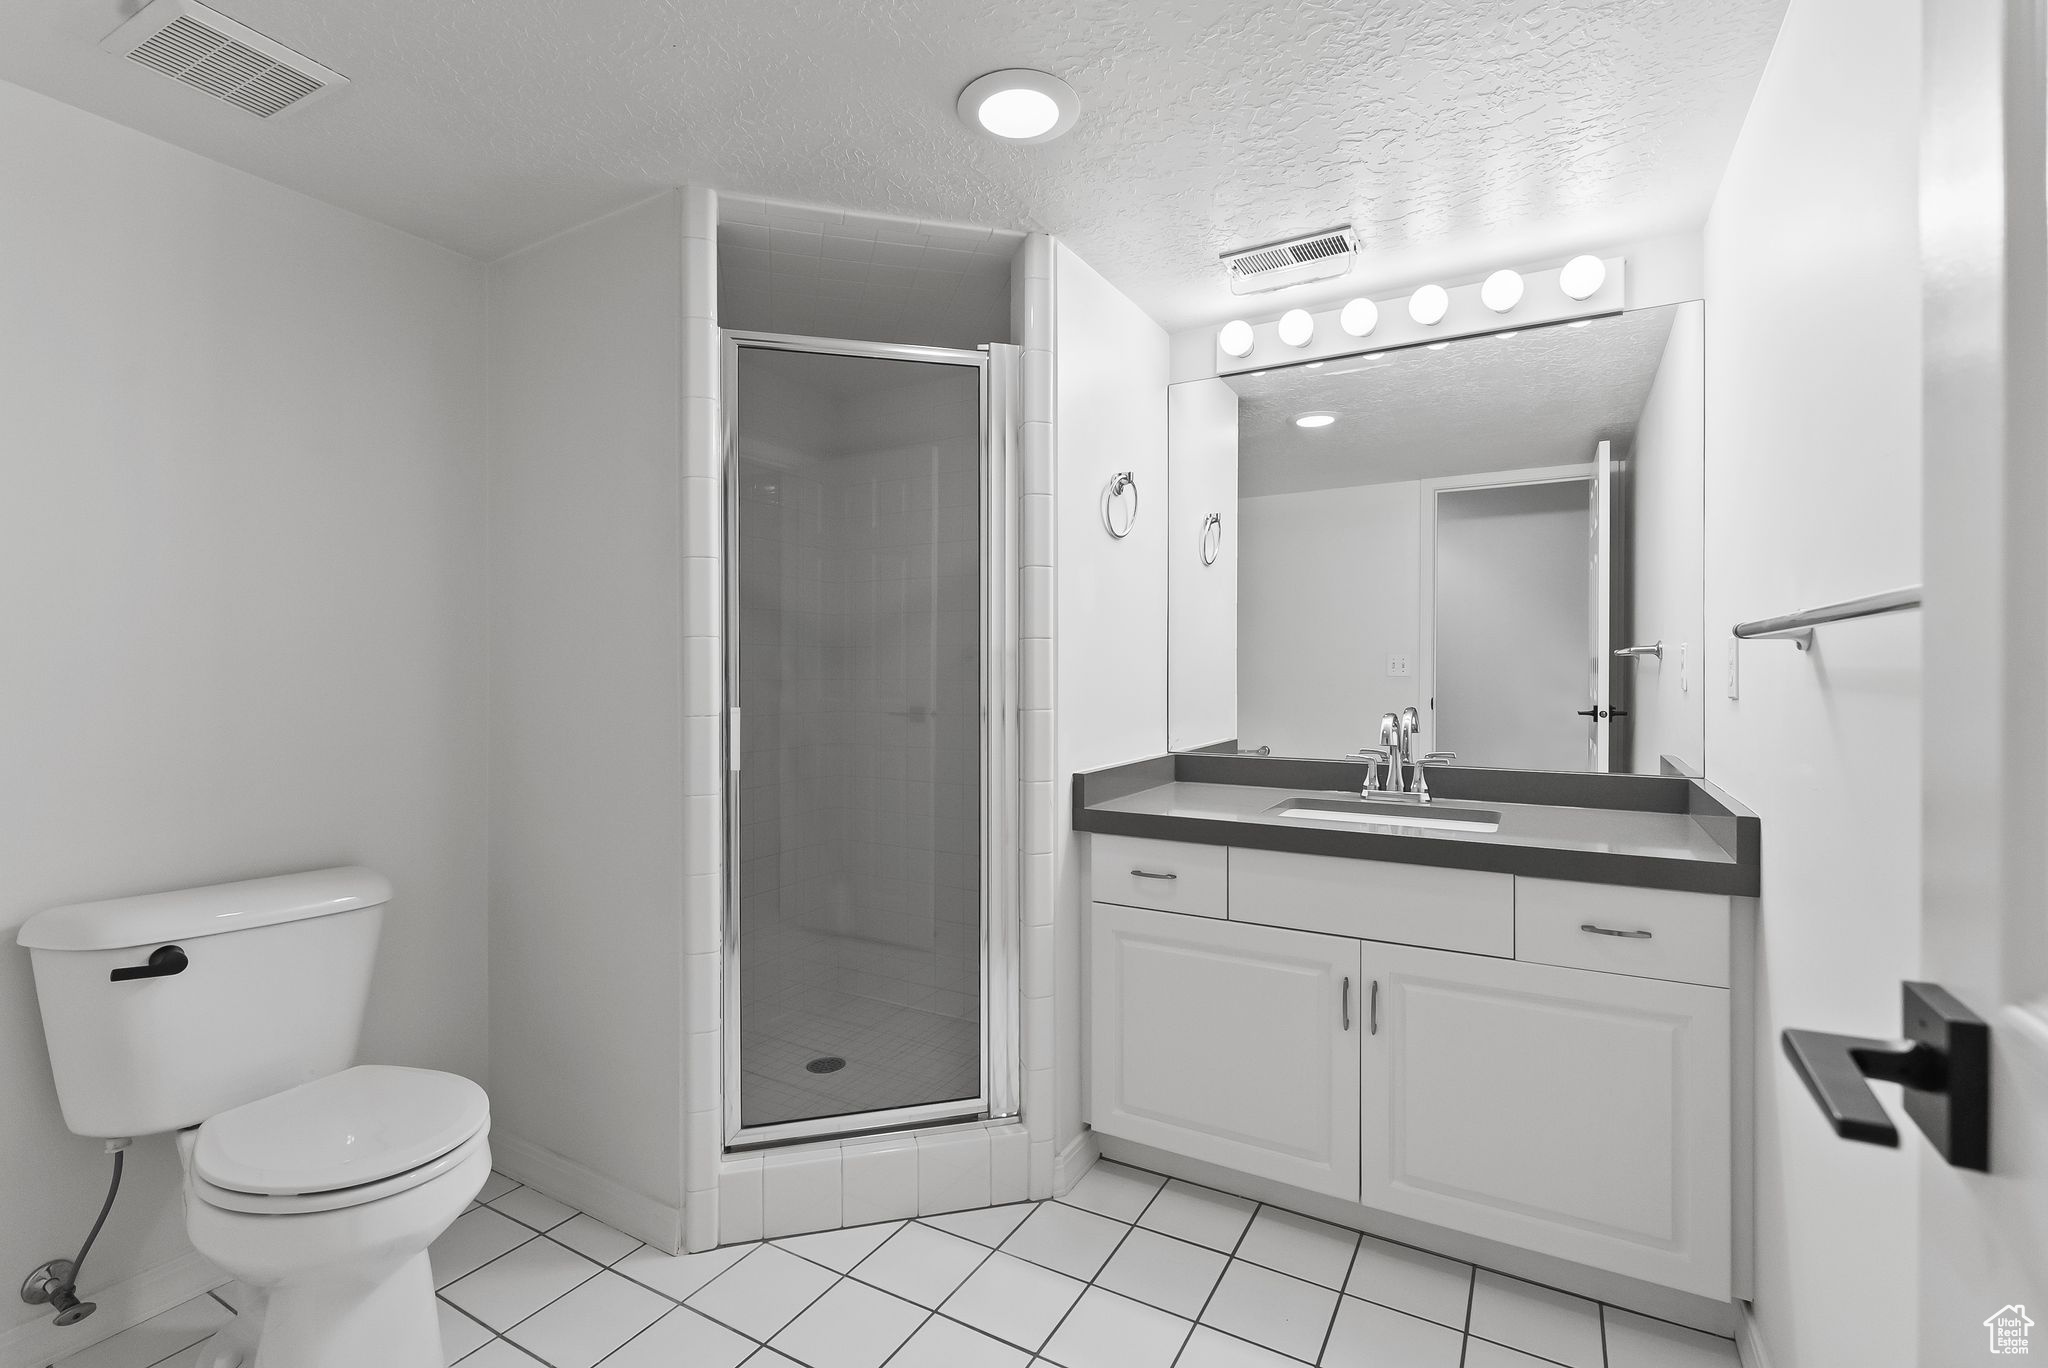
(1375, 1007)
(1148, 874)
(1610, 931)
(1347, 1002)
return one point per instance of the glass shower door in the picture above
(856, 663)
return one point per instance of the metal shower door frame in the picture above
(996, 368)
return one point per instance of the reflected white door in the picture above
(1600, 552)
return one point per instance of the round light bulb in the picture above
(1315, 420)
(1582, 277)
(1429, 304)
(1359, 318)
(1018, 113)
(1297, 326)
(1235, 337)
(1502, 291)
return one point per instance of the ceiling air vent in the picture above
(1319, 256)
(229, 62)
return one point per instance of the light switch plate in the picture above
(1397, 666)
(1734, 668)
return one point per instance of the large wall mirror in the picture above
(1502, 532)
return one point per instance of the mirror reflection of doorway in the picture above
(1513, 622)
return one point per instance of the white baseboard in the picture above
(150, 1292)
(1749, 1342)
(588, 1191)
(1070, 1163)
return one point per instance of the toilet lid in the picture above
(358, 1126)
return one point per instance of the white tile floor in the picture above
(1127, 1271)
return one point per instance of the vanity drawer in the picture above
(1445, 909)
(1682, 937)
(1166, 876)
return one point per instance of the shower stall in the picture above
(870, 929)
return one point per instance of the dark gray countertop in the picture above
(1683, 835)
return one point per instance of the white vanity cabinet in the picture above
(1540, 1062)
(1235, 1044)
(1580, 1113)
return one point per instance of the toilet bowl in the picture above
(230, 1016)
(320, 1201)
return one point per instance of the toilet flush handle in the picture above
(164, 961)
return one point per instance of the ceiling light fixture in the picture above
(1438, 346)
(1315, 420)
(1580, 324)
(1582, 277)
(1428, 305)
(1019, 105)
(1506, 335)
(1236, 338)
(1502, 291)
(1297, 327)
(1359, 318)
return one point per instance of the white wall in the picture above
(1109, 415)
(1813, 431)
(1201, 631)
(1667, 483)
(242, 577)
(587, 700)
(1328, 588)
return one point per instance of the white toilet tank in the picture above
(165, 1009)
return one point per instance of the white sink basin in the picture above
(1435, 816)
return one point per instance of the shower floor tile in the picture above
(894, 1057)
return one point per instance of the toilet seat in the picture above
(349, 1138)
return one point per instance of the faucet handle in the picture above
(1372, 755)
(1369, 753)
(1437, 757)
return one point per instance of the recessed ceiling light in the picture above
(1429, 304)
(1236, 338)
(1019, 105)
(1513, 332)
(1582, 277)
(1315, 420)
(1438, 346)
(1313, 365)
(1297, 327)
(1580, 324)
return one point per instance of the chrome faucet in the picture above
(1410, 723)
(1420, 786)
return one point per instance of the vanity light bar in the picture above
(1584, 288)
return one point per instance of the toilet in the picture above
(230, 1015)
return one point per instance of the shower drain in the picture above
(825, 1064)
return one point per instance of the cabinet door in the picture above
(1577, 1113)
(1228, 1043)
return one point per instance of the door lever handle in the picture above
(164, 961)
(1944, 1065)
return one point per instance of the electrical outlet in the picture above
(1397, 666)
(1734, 668)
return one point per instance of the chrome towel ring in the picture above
(1120, 505)
(1212, 538)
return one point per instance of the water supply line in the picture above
(56, 1282)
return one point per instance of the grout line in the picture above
(1357, 1244)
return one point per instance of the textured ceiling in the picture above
(1543, 397)
(1453, 133)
